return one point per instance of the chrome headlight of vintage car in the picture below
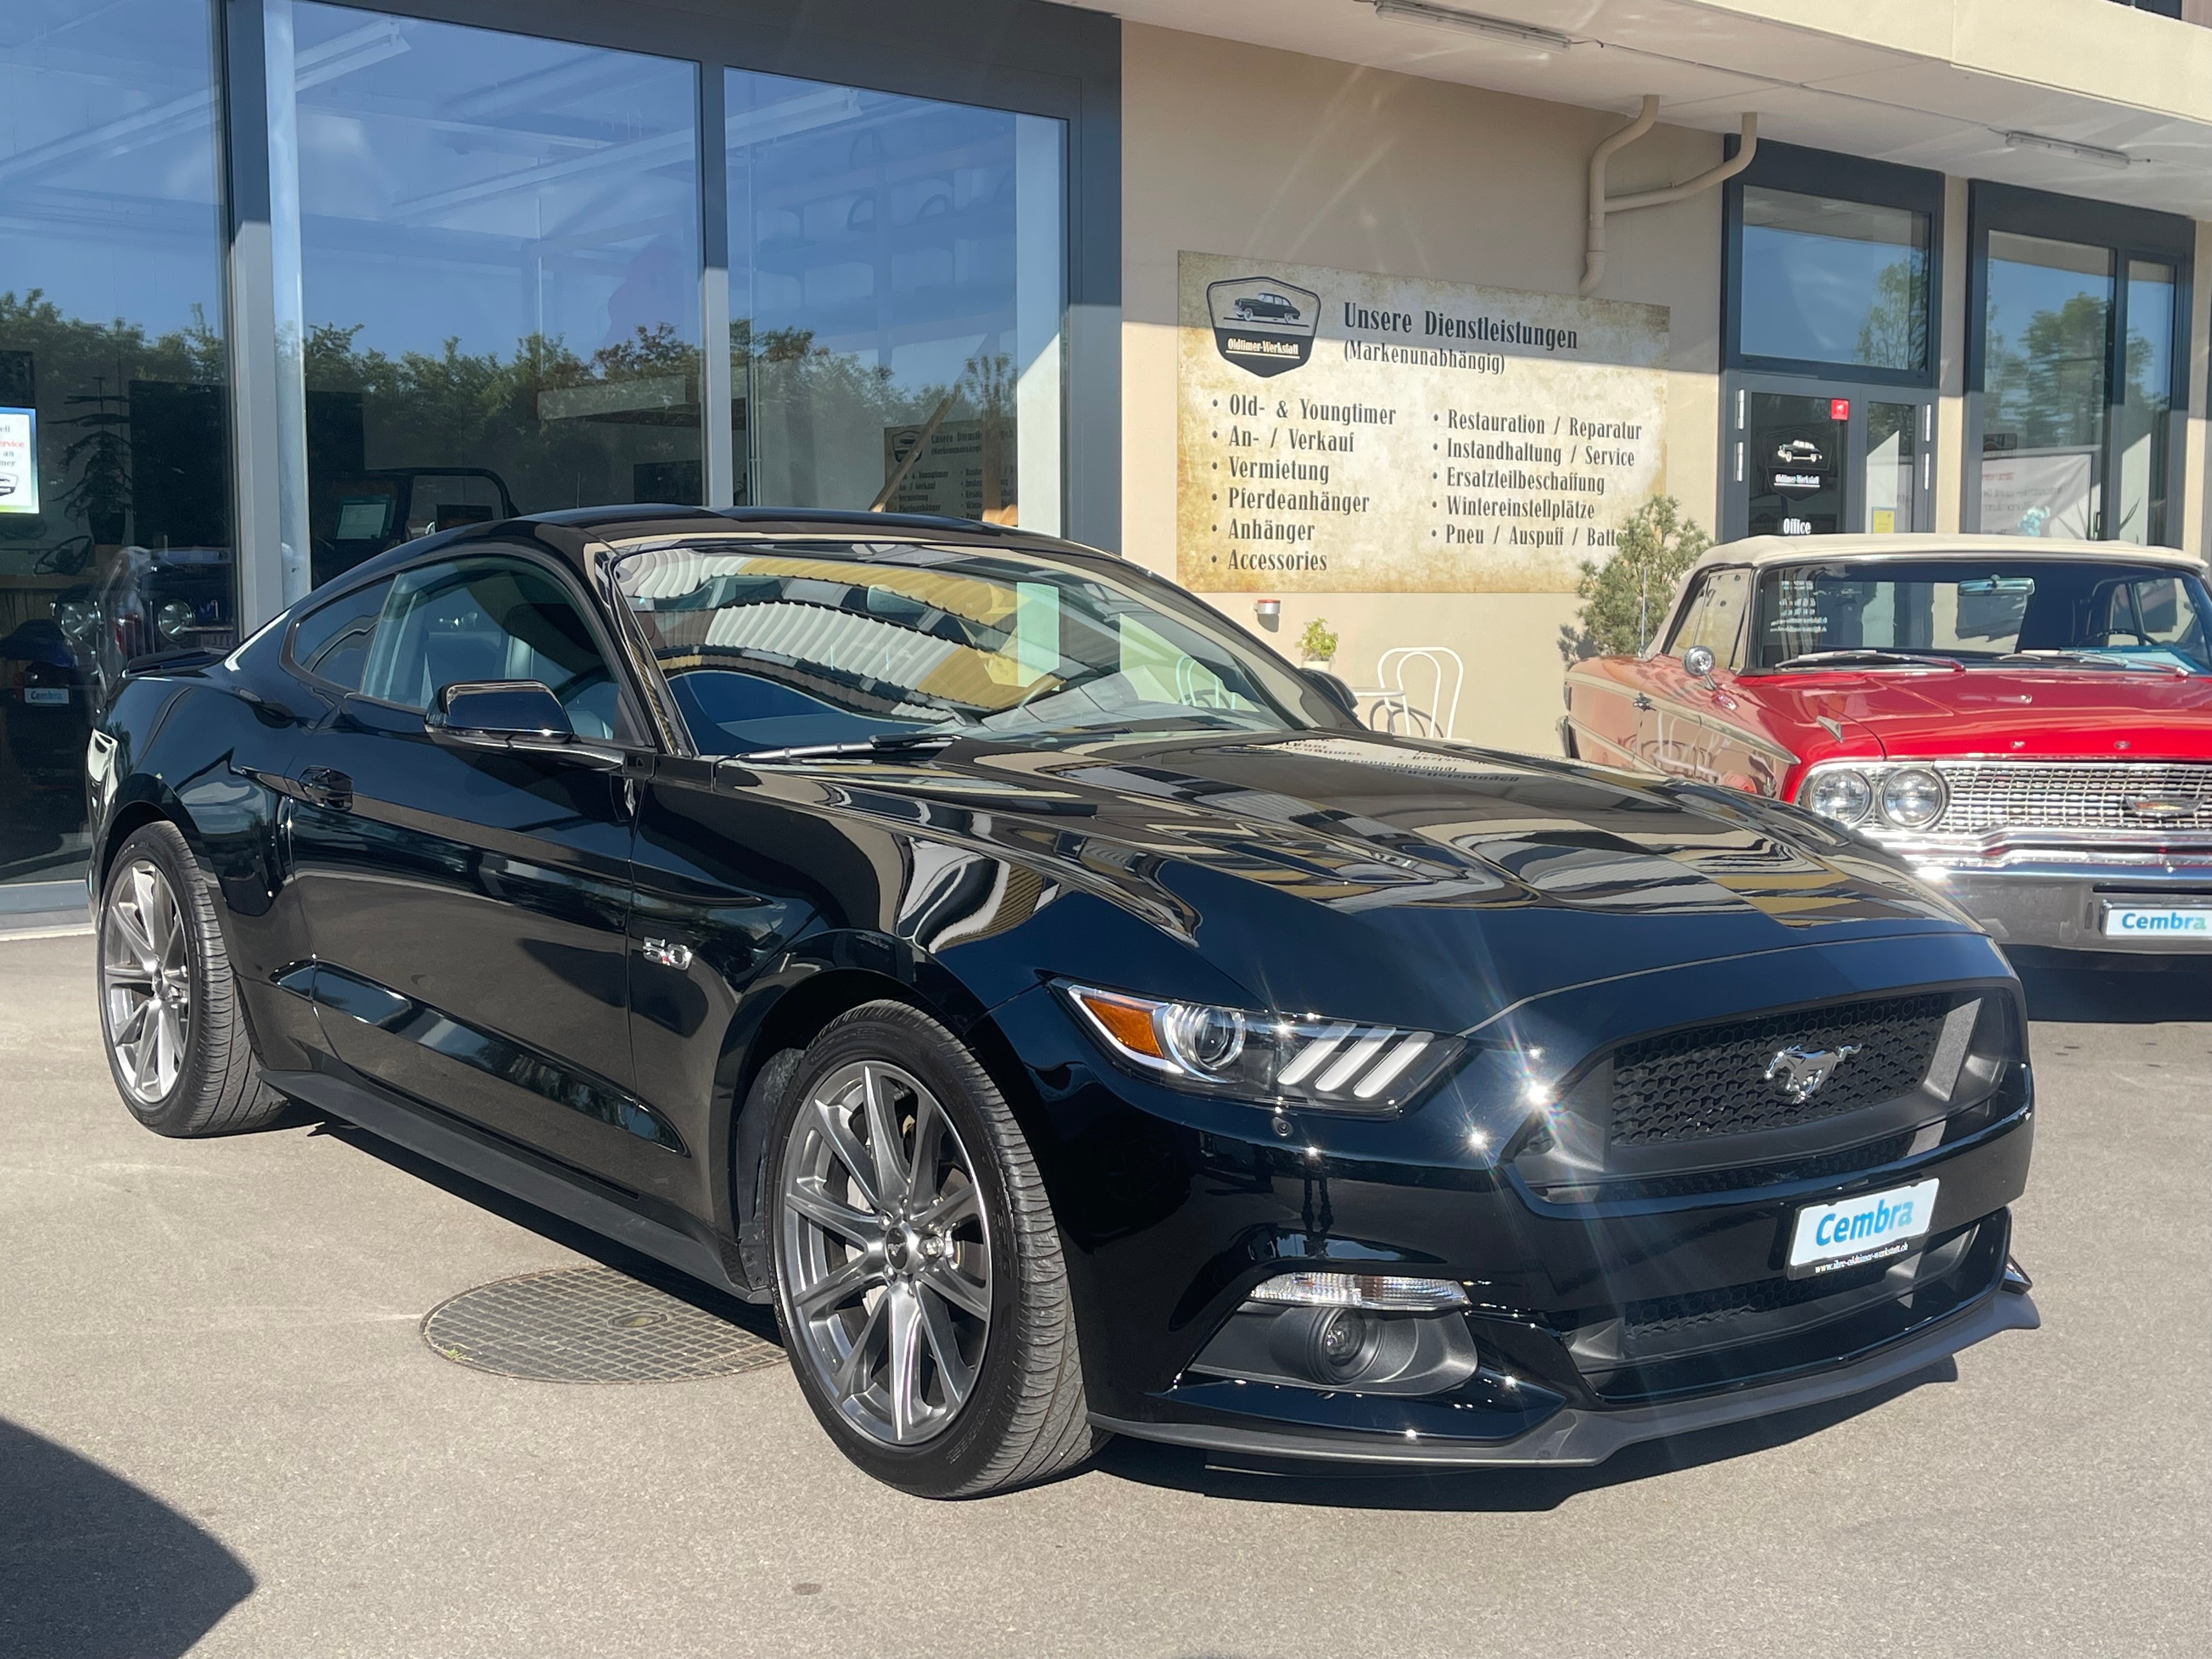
(1843, 794)
(1299, 1059)
(1912, 797)
(1876, 797)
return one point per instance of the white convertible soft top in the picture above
(1798, 550)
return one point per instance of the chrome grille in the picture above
(2068, 795)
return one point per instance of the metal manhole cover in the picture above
(590, 1325)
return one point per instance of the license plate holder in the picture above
(1851, 1232)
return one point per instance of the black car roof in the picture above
(622, 522)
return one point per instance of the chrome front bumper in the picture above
(2062, 903)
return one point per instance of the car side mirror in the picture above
(512, 714)
(503, 708)
(1696, 662)
(1335, 690)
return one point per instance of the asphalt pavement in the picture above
(221, 1433)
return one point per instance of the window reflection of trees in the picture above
(2047, 382)
(1895, 332)
(87, 480)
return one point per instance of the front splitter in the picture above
(1577, 1438)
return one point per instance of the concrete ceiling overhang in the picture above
(1928, 83)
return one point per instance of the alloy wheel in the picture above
(146, 981)
(886, 1253)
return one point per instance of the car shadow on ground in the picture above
(1498, 1491)
(92, 1566)
(748, 1317)
(2105, 990)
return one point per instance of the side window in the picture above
(1714, 618)
(331, 642)
(1721, 627)
(1687, 626)
(489, 619)
(2163, 616)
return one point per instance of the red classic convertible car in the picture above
(2027, 723)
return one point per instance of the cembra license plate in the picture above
(1828, 1237)
(2158, 921)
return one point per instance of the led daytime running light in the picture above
(1262, 1056)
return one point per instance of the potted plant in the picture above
(1317, 644)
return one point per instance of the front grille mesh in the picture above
(2041, 795)
(1712, 1081)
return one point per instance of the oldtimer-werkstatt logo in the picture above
(1262, 323)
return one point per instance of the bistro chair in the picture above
(1393, 709)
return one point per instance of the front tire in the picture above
(176, 1039)
(920, 1283)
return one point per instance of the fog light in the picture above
(1381, 1292)
(1344, 1344)
(1359, 1349)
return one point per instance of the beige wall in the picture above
(1951, 469)
(2195, 532)
(1237, 149)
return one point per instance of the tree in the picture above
(1625, 598)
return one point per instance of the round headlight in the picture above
(1203, 1039)
(1842, 795)
(172, 619)
(1912, 798)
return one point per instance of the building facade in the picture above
(1302, 301)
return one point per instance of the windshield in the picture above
(795, 643)
(2091, 612)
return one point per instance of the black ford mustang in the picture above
(1058, 1005)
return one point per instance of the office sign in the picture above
(1345, 432)
(19, 460)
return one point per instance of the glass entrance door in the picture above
(1808, 457)
(1794, 471)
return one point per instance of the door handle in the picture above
(323, 786)
(1641, 703)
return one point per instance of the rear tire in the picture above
(176, 1037)
(920, 1283)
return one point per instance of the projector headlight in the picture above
(1262, 1057)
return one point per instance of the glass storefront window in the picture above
(500, 273)
(1829, 281)
(2145, 404)
(2044, 342)
(115, 536)
(896, 295)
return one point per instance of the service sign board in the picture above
(19, 460)
(1344, 432)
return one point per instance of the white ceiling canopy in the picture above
(1958, 86)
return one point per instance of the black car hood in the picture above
(1361, 875)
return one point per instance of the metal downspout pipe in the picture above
(1601, 205)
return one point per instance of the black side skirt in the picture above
(497, 1163)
